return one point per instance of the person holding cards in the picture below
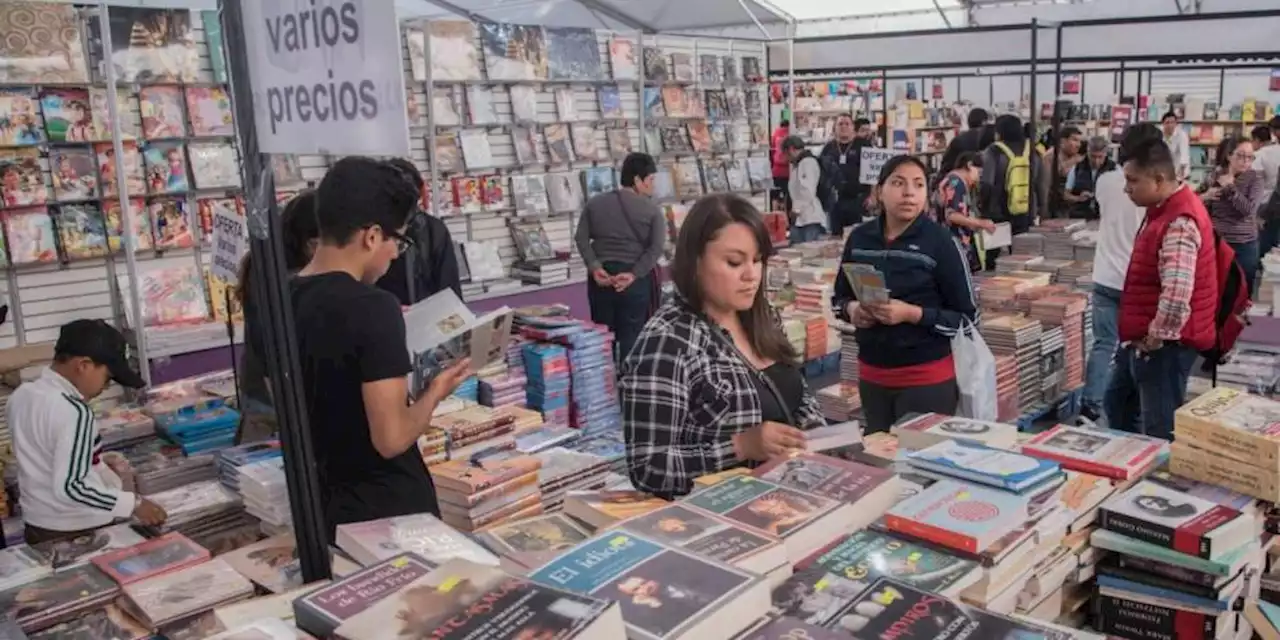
(905, 285)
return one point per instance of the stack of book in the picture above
(1066, 312)
(1081, 496)
(840, 401)
(1030, 243)
(273, 565)
(262, 487)
(1077, 272)
(1007, 407)
(815, 336)
(502, 391)
(22, 564)
(57, 597)
(1059, 241)
(564, 470)
(793, 329)
(814, 298)
(547, 368)
(606, 507)
(541, 437)
(202, 509)
(1051, 364)
(321, 611)
(1181, 561)
(593, 404)
(181, 594)
(541, 273)
(155, 466)
(848, 355)
(1017, 262)
(199, 431)
(1228, 438)
(1018, 337)
(232, 458)
(474, 429)
(123, 426)
(475, 493)
(1111, 454)
(522, 418)
(369, 543)
(168, 553)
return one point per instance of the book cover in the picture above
(465, 600)
(21, 178)
(984, 465)
(600, 508)
(19, 108)
(611, 103)
(1204, 490)
(866, 556)
(927, 429)
(1103, 453)
(785, 628)
(891, 609)
(493, 192)
(67, 116)
(559, 147)
(166, 168)
(167, 553)
(584, 142)
(214, 165)
(441, 330)
(513, 51)
(961, 516)
(82, 230)
(161, 108)
(56, 592)
(453, 50)
(178, 594)
(1132, 619)
(762, 506)
(535, 541)
(107, 623)
(698, 532)
(323, 610)
(839, 480)
(655, 65)
(115, 225)
(423, 535)
(44, 43)
(172, 224)
(20, 562)
(108, 165)
(662, 591)
(474, 475)
(150, 45)
(573, 54)
(30, 236)
(1159, 515)
(101, 114)
(74, 175)
(622, 58)
(209, 109)
(1228, 565)
(1232, 423)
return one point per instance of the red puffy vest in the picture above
(1141, 294)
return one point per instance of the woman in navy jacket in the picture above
(904, 344)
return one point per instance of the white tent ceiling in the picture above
(653, 16)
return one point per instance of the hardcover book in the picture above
(1103, 453)
(803, 521)
(663, 592)
(984, 465)
(894, 609)
(513, 51)
(686, 527)
(930, 428)
(960, 516)
(107, 623)
(1159, 515)
(573, 54)
(461, 600)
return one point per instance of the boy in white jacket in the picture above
(809, 218)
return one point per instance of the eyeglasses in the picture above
(1242, 156)
(403, 242)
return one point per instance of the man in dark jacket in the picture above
(431, 264)
(845, 152)
(977, 138)
(1080, 186)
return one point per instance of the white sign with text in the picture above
(230, 242)
(327, 76)
(872, 161)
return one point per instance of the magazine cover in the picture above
(597, 180)
(416, 40)
(209, 109)
(31, 236)
(662, 591)
(172, 295)
(675, 138)
(42, 44)
(1160, 515)
(682, 67)
(453, 50)
(107, 166)
(619, 142)
(573, 54)
(466, 195)
(737, 103)
(698, 532)
(513, 51)
(675, 101)
(67, 116)
(566, 104)
(530, 194)
(652, 139)
(82, 230)
(493, 192)
(172, 227)
(115, 225)
(73, 173)
(688, 180)
(161, 109)
(653, 107)
(751, 69)
(101, 112)
(611, 103)
(150, 45)
(718, 105)
(622, 58)
(444, 604)
(19, 118)
(584, 142)
(655, 65)
(892, 608)
(531, 241)
(524, 103)
(559, 146)
(736, 174)
(166, 168)
(21, 178)
(214, 165)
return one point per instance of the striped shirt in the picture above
(65, 487)
(1178, 254)
(1234, 211)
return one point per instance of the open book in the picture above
(441, 330)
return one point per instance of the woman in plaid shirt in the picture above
(713, 383)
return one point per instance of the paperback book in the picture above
(931, 428)
(805, 522)
(1160, 515)
(82, 231)
(841, 480)
(323, 610)
(894, 609)
(984, 465)
(167, 553)
(74, 175)
(442, 330)
(1103, 453)
(696, 531)
(423, 535)
(960, 516)
(530, 543)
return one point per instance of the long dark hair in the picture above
(298, 221)
(705, 220)
(1225, 148)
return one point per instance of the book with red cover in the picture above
(169, 552)
(1106, 453)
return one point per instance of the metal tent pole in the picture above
(270, 293)
(126, 212)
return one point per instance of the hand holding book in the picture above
(446, 382)
(768, 440)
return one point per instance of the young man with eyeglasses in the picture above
(351, 345)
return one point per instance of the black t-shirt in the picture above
(350, 333)
(790, 385)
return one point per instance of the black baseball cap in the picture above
(101, 343)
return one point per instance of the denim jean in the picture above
(807, 233)
(624, 312)
(1147, 388)
(1248, 258)
(1106, 314)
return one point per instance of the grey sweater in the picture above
(621, 226)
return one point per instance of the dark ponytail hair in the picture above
(298, 222)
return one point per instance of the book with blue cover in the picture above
(1227, 565)
(984, 465)
(663, 592)
(961, 516)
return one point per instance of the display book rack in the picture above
(63, 225)
(523, 123)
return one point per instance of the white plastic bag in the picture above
(975, 374)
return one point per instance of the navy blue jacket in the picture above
(924, 267)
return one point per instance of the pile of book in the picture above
(547, 369)
(122, 426)
(1068, 312)
(211, 428)
(232, 458)
(848, 355)
(594, 406)
(840, 401)
(1007, 395)
(478, 492)
(502, 391)
(472, 430)
(155, 465)
(375, 541)
(564, 470)
(1019, 337)
(1059, 240)
(263, 489)
(1228, 438)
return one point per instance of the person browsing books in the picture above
(953, 207)
(430, 265)
(67, 489)
(351, 345)
(713, 382)
(621, 235)
(904, 341)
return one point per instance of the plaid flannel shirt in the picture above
(1178, 253)
(685, 394)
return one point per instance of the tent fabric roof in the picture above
(652, 16)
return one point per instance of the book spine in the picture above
(1191, 462)
(1156, 581)
(493, 492)
(1239, 445)
(1076, 464)
(1133, 565)
(1131, 619)
(1138, 529)
(929, 532)
(946, 470)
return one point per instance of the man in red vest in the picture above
(1169, 300)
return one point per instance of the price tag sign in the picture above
(872, 161)
(230, 242)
